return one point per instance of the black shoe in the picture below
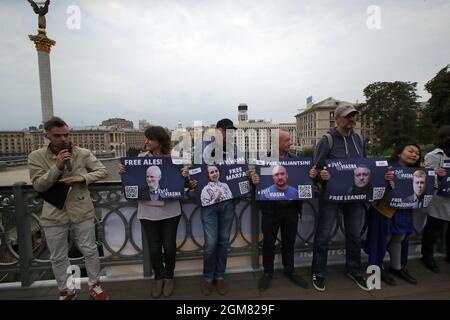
(360, 281)
(318, 282)
(387, 278)
(222, 287)
(206, 287)
(157, 288)
(403, 274)
(295, 278)
(430, 264)
(264, 282)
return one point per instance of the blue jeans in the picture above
(353, 223)
(217, 222)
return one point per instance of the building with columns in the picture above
(117, 122)
(102, 141)
(14, 143)
(134, 138)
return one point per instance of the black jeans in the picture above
(162, 234)
(284, 217)
(353, 224)
(434, 230)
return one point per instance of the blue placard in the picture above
(152, 178)
(284, 179)
(414, 188)
(444, 187)
(220, 181)
(356, 180)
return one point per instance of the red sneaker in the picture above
(68, 295)
(97, 293)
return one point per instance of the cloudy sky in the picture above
(191, 60)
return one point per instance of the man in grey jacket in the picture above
(439, 209)
(340, 143)
(76, 167)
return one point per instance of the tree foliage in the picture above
(391, 108)
(439, 103)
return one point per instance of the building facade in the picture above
(143, 124)
(256, 135)
(134, 138)
(118, 123)
(314, 123)
(14, 143)
(102, 141)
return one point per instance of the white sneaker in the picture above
(68, 295)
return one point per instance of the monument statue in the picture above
(41, 9)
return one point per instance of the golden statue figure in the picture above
(41, 9)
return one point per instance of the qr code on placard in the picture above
(131, 192)
(378, 193)
(244, 187)
(304, 192)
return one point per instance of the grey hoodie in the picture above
(343, 148)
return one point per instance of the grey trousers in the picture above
(57, 243)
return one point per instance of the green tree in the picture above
(426, 129)
(391, 108)
(439, 88)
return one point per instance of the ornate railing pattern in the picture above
(23, 247)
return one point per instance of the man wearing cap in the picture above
(341, 142)
(225, 144)
(218, 218)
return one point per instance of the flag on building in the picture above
(309, 102)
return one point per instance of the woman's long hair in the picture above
(161, 135)
(396, 156)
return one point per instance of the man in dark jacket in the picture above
(276, 215)
(340, 143)
(217, 218)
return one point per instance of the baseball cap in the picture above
(344, 110)
(225, 124)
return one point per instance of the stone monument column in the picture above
(43, 47)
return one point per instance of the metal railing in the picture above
(23, 248)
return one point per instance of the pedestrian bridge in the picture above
(25, 270)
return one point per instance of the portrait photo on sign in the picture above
(356, 180)
(286, 179)
(152, 178)
(220, 182)
(414, 188)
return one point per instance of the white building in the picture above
(255, 135)
(143, 124)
